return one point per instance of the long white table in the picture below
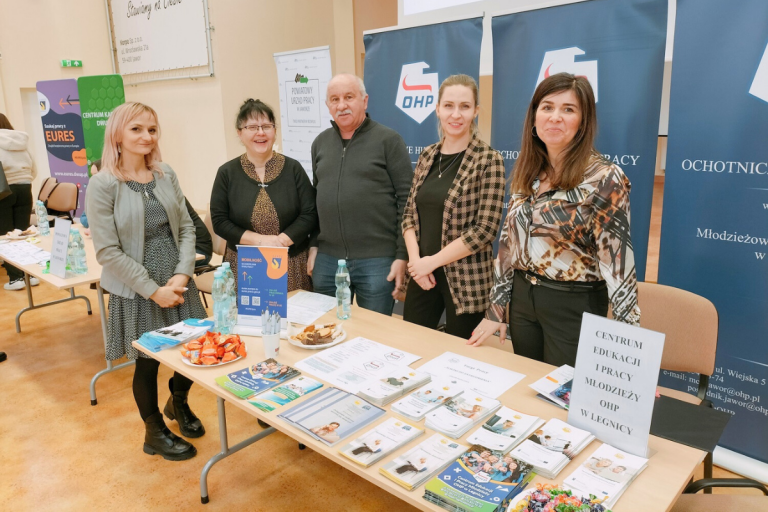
(670, 467)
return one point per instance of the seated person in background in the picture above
(263, 198)
(203, 242)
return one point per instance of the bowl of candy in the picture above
(552, 498)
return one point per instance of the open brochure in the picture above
(380, 441)
(556, 386)
(257, 378)
(480, 480)
(505, 430)
(393, 385)
(459, 414)
(416, 405)
(285, 393)
(606, 474)
(332, 415)
(552, 447)
(424, 460)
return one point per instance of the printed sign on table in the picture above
(614, 385)
(59, 248)
(262, 283)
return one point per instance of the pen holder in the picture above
(271, 345)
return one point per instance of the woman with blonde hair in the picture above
(145, 243)
(452, 217)
(565, 247)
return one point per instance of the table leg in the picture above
(226, 451)
(32, 304)
(109, 368)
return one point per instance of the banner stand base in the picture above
(741, 464)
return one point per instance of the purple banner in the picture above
(63, 132)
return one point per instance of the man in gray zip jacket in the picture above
(362, 173)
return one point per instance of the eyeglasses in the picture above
(253, 128)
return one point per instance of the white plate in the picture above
(297, 343)
(188, 363)
(20, 237)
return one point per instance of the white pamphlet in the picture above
(417, 465)
(428, 398)
(380, 441)
(485, 378)
(458, 414)
(351, 365)
(23, 253)
(306, 307)
(548, 385)
(614, 385)
(505, 429)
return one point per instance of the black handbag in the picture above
(5, 189)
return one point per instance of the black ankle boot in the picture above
(159, 440)
(178, 409)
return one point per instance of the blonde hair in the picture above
(466, 81)
(118, 120)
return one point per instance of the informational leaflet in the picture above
(606, 474)
(551, 447)
(332, 415)
(505, 429)
(555, 386)
(306, 307)
(285, 393)
(351, 365)
(257, 378)
(416, 405)
(23, 253)
(417, 465)
(262, 283)
(486, 379)
(380, 441)
(459, 414)
(59, 248)
(393, 385)
(614, 385)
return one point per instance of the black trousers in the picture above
(145, 385)
(15, 211)
(544, 323)
(425, 307)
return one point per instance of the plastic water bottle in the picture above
(343, 293)
(229, 278)
(76, 260)
(220, 303)
(42, 218)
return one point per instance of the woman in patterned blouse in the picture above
(565, 246)
(263, 198)
(452, 217)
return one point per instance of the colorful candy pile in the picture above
(551, 498)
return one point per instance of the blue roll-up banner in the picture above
(619, 46)
(404, 69)
(714, 236)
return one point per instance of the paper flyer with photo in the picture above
(480, 480)
(284, 394)
(553, 445)
(505, 429)
(394, 383)
(606, 473)
(418, 464)
(353, 364)
(332, 415)
(484, 378)
(257, 378)
(556, 385)
(430, 397)
(262, 283)
(459, 413)
(380, 441)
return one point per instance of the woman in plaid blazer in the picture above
(452, 217)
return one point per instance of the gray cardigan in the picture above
(116, 218)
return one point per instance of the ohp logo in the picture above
(759, 87)
(416, 91)
(559, 61)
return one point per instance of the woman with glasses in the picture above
(263, 198)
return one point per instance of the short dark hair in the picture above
(251, 109)
(5, 124)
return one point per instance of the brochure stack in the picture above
(380, 441)
(550, 448)
(461, 413)
(422, 462)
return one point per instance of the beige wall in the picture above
(196, 116)
(370, 15)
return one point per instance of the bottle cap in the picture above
(342, 263)
(225, 264)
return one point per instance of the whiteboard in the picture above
(158, 35)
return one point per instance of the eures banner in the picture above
(59, 104)
(714, 237)
(404, 69)
(619, 46)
